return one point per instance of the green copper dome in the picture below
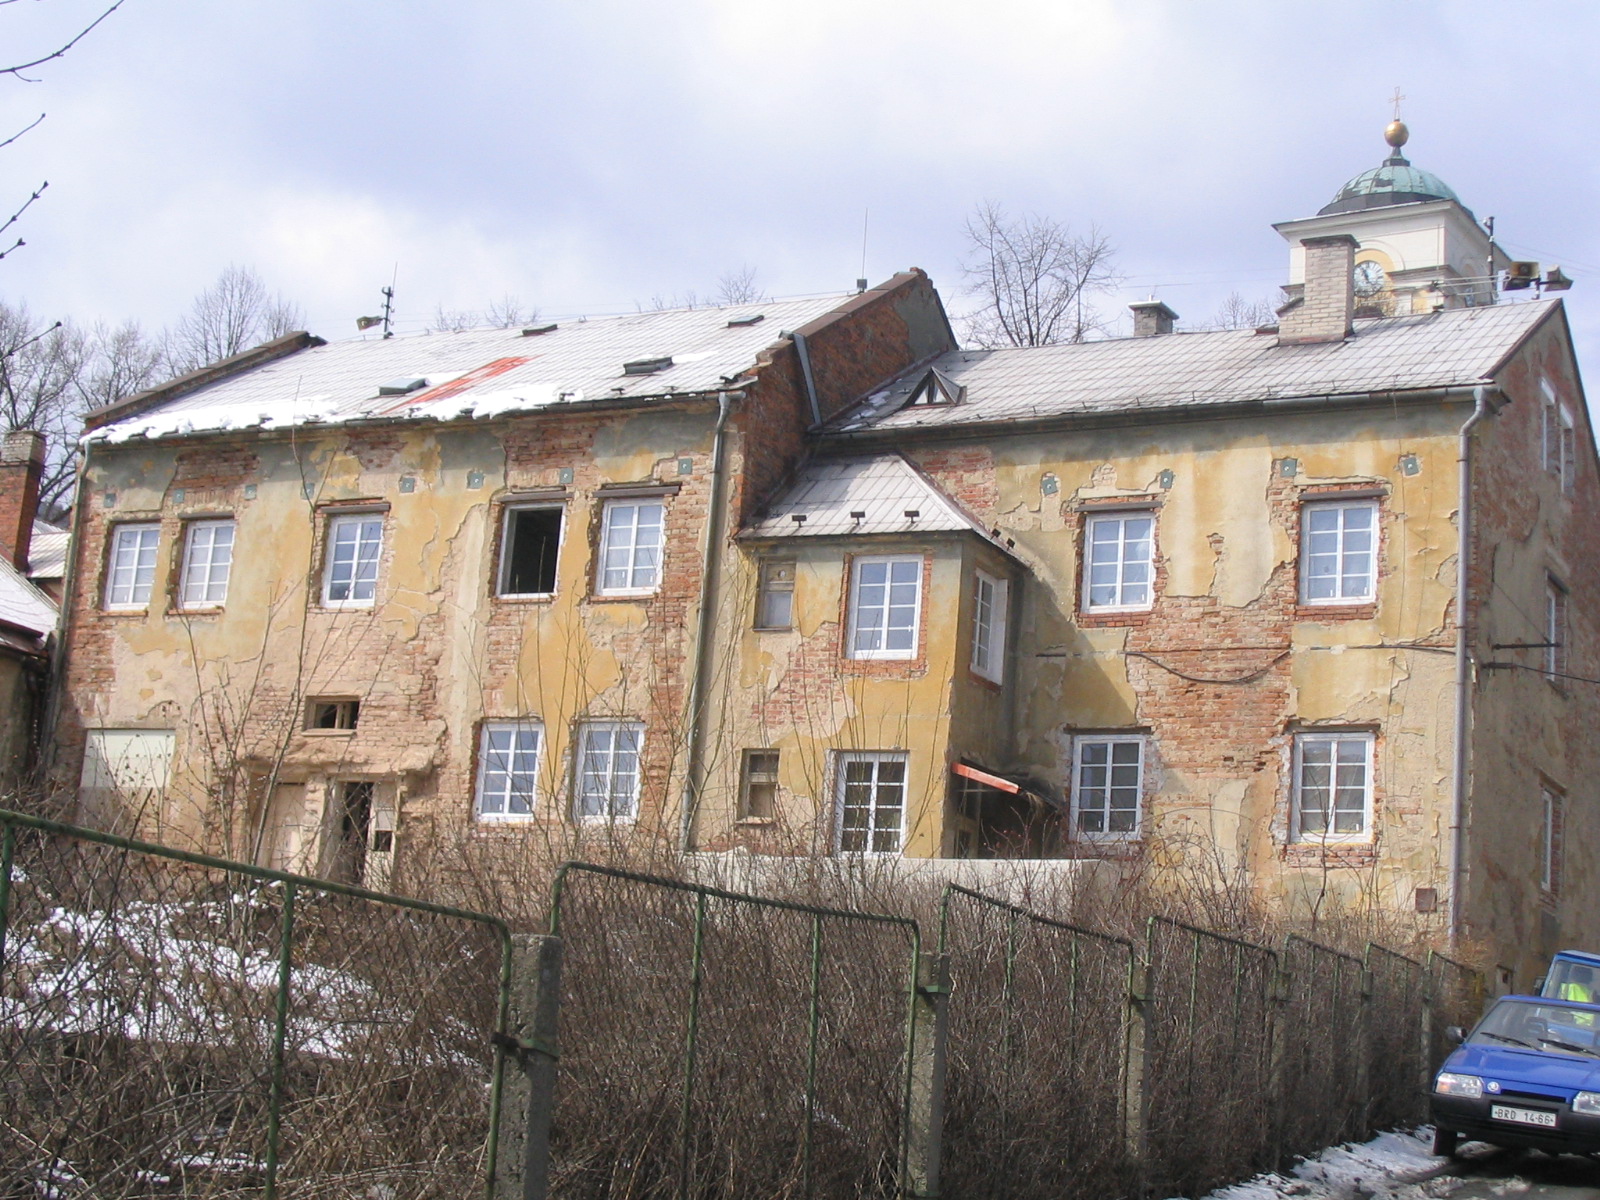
(1396, 182)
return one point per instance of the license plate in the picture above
(1522, 1116)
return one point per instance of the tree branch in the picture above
(21, 131)
(83, 33)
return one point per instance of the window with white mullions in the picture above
(608, 771)
(1333, 786)
(630, 547)
(1548, 860)
(131, 573)
(207, 563)
(1108, 786)
(1118, 562)
(1555, 629)
(508, 769)
(885, 606)
(355, 543)
(989, 626)
(871, 803)
(1338, 541)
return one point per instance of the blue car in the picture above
(1527, 1075)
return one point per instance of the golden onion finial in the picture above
(1396, 133)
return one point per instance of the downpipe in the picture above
(710, 578)
(1458, 783)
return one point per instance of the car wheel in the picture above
(1445, 1142)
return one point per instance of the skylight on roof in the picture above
(403, 385)
(647, 366)
(937, 388)
(753, 319)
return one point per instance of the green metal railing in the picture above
(1038, 1052)
(145, 965)
(723, 976)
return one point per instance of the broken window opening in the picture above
(758, 790)
(531, 539)
(775, 605)
(335, 714)
(355, 825)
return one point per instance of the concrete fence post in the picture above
(1135, 1093)
(1425, 1059)
(1278, 996)
(527, 1100)
(931, 1034)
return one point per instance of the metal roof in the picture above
(1395, 182)
(875, 494)
(1172, 371)
(23, 605)
(47, 551)
(485, 372)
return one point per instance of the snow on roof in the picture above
(854, 496)
(47, 552)
(484, 372)
(1446, 349)
(23, 605)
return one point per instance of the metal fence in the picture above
(718, 1044)
(1319, 1043)
(1395, 1039)
(1209, 1045)
(1455, 994)
(1037, 1053)
(171, 1022)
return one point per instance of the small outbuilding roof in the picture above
(24, 607)
(873, 494)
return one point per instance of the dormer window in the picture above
(936, 388)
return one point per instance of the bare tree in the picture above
(51, 374)
(452, 320)
(739, 287)
(233, 314)
(1034, 278)
(1238, 313)
(508, 312)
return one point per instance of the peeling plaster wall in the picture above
(1531, 733)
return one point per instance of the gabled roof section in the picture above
(25, 607)
(854, 497)
(475, 373)
(1457, 347)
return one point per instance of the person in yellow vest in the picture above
(1579, 986)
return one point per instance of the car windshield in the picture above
(1570, 980)
(1547, 1027)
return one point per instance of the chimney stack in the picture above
(21, 465)
(1151, 317)
(1325, 308)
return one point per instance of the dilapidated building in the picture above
(1311, 604)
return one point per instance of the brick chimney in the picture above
(1151, 317)
(1327, 304)
(21, 464)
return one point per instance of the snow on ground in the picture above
(1380, 1169)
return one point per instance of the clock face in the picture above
(1370, 279)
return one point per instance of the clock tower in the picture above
(1419, 249)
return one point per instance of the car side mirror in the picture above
(1455, 1034)
(1538, 986)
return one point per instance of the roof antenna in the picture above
(861, 280)
(387, 320)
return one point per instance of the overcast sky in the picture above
(590, 155)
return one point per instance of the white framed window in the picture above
(350, 574)
(885, 606)
(529, 542)
(1332, 787)
(1338, 551)
(630, 547)
(508, 769)
(131, 571)
(608, 770)
(989, 599)
(1107, 786)
(207, 563)
(1560, 437)
(1555, 629)
(1119, 562)
(871, 802)
(1550, 807)
(775, 598)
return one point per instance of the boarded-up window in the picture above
(125, 776)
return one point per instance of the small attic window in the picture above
(646, 366)
(536, 330)
(936, 388)
(738, 322)
(403, 385)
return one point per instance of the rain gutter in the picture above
(1458, 782)
(710, 577)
